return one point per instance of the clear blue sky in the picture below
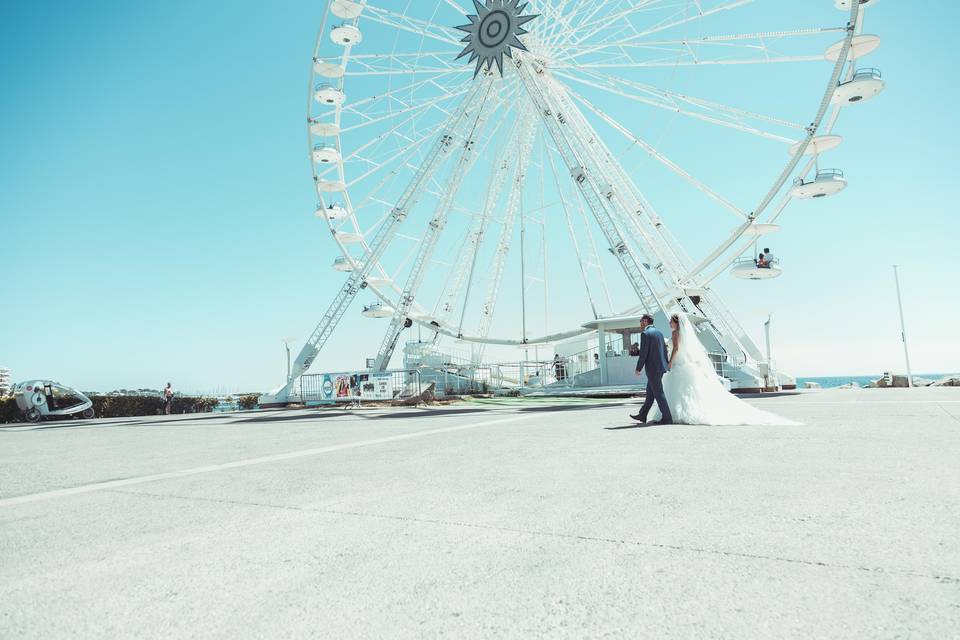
(156, 202)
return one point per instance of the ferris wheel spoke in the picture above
(414, 71)
(357, 154)
(672, 98)
(611, 88)
(415, 108)
(758, 42)
(569, 225)
(717, 106)
(718, 39)
(396, 56)
(418, 26)
(691, 63)
(585, 12)
(699, 15)
(405, 62)
(660, 157)
(380, 166)
(562, 20)
(409, 145)
(393, 95)
(603, 26)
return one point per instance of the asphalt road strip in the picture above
(279, 457)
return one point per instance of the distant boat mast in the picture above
(903, 328)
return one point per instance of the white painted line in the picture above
(305, 453)
(804, 403)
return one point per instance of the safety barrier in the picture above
(358, 387)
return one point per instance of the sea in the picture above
(862, 381)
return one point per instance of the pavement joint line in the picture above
(279, 457)
(942, 579)
(944, 409)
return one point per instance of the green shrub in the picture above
(248, 401)
(122, 406)
(8, 410)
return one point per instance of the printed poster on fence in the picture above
(326, 388)
(376, 386)
(343, 386)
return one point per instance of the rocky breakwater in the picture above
(900, 382)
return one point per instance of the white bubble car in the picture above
(45, 399)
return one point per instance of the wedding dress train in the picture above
(696, 395)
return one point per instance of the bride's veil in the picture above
(690, 346)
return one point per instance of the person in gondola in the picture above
(762, 261)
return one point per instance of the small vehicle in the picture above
(43, 399)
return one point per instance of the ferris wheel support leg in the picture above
(468, 155)
(281, 396)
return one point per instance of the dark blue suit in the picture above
(653, 357)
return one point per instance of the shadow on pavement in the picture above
(558, 408)
(648, 425)
(132, 421)
(422, 414)
(300, 416)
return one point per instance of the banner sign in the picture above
(374, 386)
(348, 387)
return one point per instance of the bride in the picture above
(694, 391)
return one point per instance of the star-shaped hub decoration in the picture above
(495, 30)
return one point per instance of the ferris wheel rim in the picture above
(383, 290)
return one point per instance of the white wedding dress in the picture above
(696, 395)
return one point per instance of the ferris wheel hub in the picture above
(494, 31)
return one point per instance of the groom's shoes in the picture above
(661, 423)
(639, 418)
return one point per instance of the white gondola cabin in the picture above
(346, 35)
(748, 269)
(325, 154)
(331, 96)
(332, 212)
(342, 265)
(865, 84)
(378, 310)
(346, 9)
(828, 182)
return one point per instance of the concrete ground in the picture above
(488, 520)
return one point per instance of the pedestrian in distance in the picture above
(167, 399)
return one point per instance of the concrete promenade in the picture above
(544, 519)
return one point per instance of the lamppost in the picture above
(903, 328)
(286, 344)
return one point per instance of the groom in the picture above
(653, 356)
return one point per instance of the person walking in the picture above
(653, 358)
(167, 399)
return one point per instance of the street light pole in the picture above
(903, 327)
(286, 344)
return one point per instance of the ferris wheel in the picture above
(483, 166)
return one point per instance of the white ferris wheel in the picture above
(486, 166)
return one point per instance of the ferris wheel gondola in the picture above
(454, 137)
